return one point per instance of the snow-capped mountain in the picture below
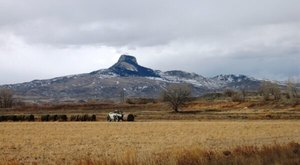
(128, 76)
(236, 81)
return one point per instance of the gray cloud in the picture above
(258, 38)
(138, 23)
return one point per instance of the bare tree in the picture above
(1, 101)
(291, 89)
(122, 96)
(269, 89)
(229, 92)
(238, 97)
(235, 95)
(176, 95)
(6, 98)
(243, 90)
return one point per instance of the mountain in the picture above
(124, 76)
(127, 66)
(236, 81)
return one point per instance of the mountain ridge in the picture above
(128, 76)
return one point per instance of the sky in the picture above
(52, 38)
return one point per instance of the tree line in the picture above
(177, 95)
(6, 98)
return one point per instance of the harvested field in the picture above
(71, 142)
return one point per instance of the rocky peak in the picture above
(127, 66)
(127, 59)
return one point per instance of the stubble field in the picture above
(133, 143)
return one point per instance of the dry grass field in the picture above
(138, 142)
(203, 132)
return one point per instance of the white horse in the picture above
(112, 116)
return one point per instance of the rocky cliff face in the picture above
(127, 66)
(128, 76)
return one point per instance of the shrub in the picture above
(63, 118)
(13, 118)
(3, 118)
(140, 100)
(73, 118)
(238, 97)
(78, 118)
(93, 118)
(29, 118)
(229, 92)
(84, 117)
(45, 117)
(21, 118)
(52, 117)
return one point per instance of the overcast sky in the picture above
(51, 38)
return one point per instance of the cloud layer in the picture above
(44, 39)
